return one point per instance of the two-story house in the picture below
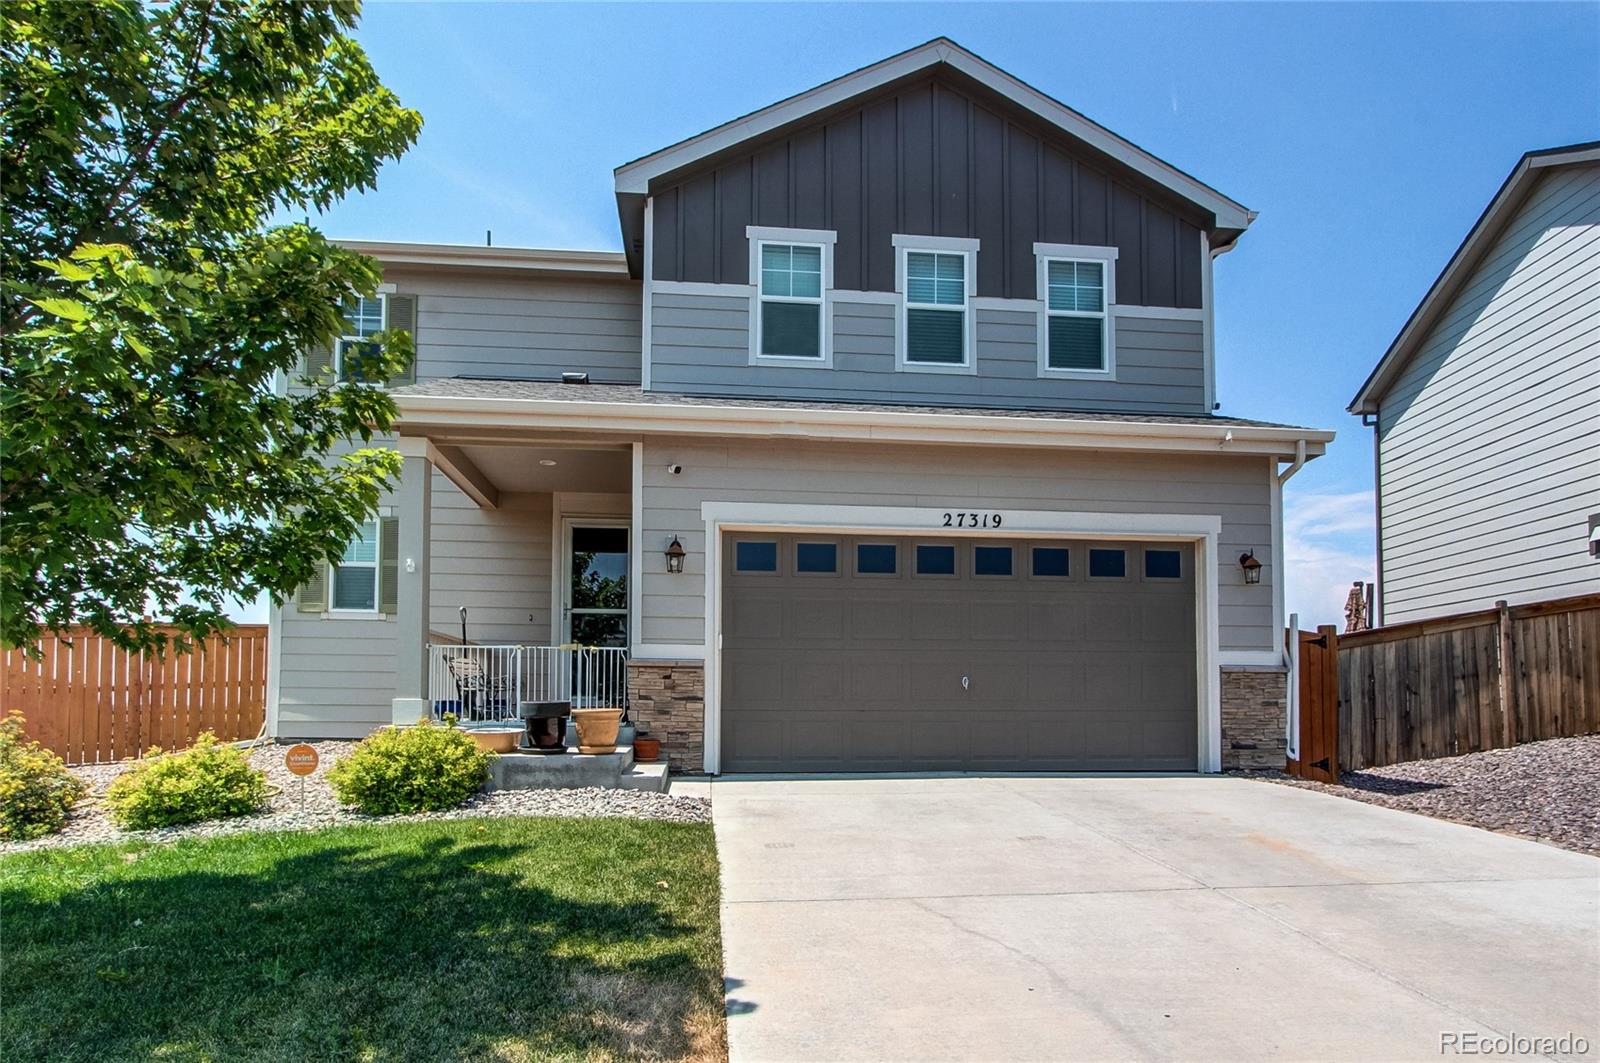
(1486, 408)
(888, 443)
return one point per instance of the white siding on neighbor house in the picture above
(338, 674)
(476, 324)
(700, 344)
(1489, 440)
(1238, 489)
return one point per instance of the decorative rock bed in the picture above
(90, 821)
(1548, 791)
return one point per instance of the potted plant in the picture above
(597, 729)
(646, 747)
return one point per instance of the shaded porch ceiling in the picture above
(485, 471)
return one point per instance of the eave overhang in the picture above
(428, 415)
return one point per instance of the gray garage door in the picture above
(857, 653)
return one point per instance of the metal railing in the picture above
(485, 682)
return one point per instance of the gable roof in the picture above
(633, 179)
(1459, 270)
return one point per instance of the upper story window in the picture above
(935, 278)
(791, 271)
(364, 318)
(1076, 293)
(791, 300)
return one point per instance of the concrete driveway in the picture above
(987, 918)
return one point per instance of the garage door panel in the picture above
(814, 620)
(1060, 623)
(995, 621)
(863, 673)
(753, 616)
(878, 620)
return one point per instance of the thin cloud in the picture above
(1327, 545)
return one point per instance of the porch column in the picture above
(413, 500)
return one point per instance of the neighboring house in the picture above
(916, 369)
(1487, 408)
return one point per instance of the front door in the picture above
(596, 582)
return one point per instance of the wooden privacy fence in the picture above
(91, 702)
(1437, 688)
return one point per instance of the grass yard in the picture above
(494, 939)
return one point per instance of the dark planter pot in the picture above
(646, 749)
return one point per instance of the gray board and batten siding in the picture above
(699, 344)
(941, 156)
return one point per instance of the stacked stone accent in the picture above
(668, 699)
(1255, 706)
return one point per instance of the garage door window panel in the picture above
(992, 562)
(877, 559)
(1108, 563)
(1163, 565)
(755, 557)
(816, 559)
(937, 560)
(1052, 562)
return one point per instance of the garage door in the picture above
(859, 653)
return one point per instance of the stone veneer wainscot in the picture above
(668, 700)
(1254, 708)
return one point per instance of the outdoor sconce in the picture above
(675, 556)
(1252, 567)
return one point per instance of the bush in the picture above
(36, 790)
(426, 768)
(209, 780)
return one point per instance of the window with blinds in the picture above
(363, 319)
(791, 301)
(1075, 312)
(936, 308)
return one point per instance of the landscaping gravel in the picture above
(319, 808)
(1548, 791)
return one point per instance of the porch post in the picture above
(414, 507)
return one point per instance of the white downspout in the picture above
(1296, 465)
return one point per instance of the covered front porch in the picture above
(515, 569)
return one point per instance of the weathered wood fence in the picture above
(1438, 688)
(91, 702)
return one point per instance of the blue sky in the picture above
(1369, 137)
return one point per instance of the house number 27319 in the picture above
(973, 520)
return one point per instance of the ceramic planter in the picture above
(597, 729)
(495, 739)
(646, 749)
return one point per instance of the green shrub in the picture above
(425, 768)
(36, 790)
(209, 780)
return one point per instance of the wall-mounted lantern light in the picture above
(1252, 567)
(675, 556)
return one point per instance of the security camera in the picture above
(674, 469)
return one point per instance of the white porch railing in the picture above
(485, 682)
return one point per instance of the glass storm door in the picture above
(597, 585)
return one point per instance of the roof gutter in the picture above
(441, 415)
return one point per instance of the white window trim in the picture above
(382, 295)
(966, 247)
(376, 564)
(823, 240)
(1044, 254)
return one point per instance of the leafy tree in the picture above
(149, 312)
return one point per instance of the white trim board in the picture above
(1203, 529)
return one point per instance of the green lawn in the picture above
(504, 939)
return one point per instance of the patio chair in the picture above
(479, 688)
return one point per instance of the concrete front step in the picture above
(537, 771)
(653, 777)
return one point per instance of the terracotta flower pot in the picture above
(646, 749)
(495, 739)
(597, 729)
